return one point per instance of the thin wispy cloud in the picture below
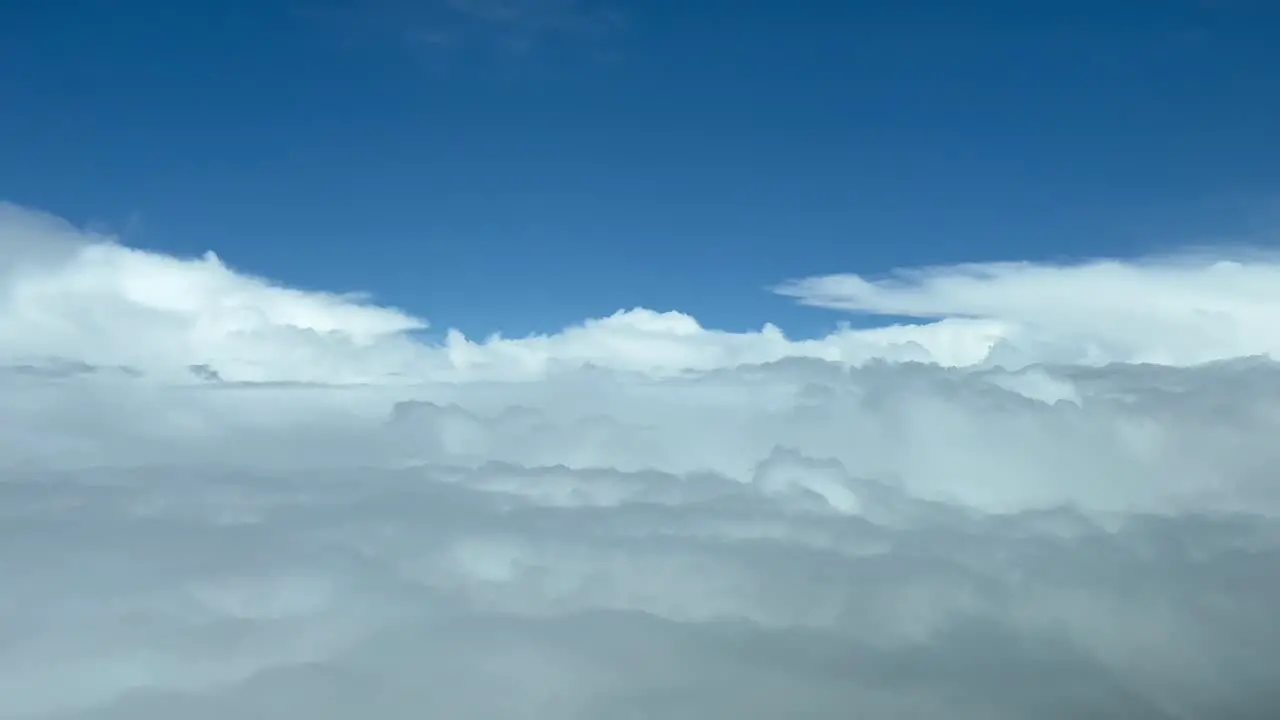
(441, 32)
(523, 27)
(221, 496)
(1181, 309)
(541, 15)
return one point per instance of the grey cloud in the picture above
(795, 539)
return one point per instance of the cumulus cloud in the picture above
(223, 497)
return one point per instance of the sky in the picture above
(542, 360)
(578, 157)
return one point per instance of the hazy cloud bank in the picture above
(221, 497)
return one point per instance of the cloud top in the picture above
(223, 497)
(1176, 310)
(75, 294)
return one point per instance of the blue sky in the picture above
(522, 164)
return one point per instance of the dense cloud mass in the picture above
(1054, 497)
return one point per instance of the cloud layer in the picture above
(223, 497)
(1184, 309)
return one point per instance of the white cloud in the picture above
(635, 517)
(1180, 310)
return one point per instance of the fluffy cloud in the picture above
(222, 497)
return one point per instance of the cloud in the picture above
(454, 29)
(560, 15)
(223, 497)
(448, 35)
(1182, 309)
(507, 11)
